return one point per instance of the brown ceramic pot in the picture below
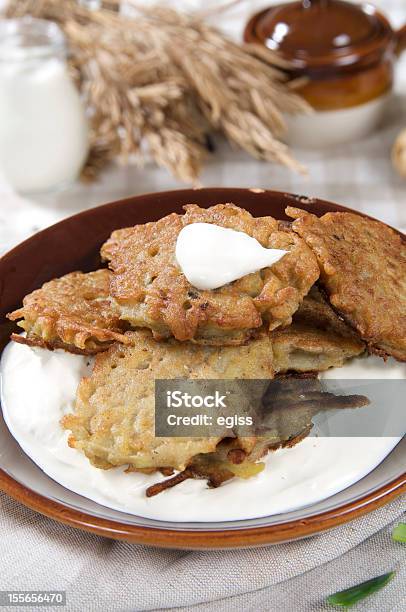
(345, 51)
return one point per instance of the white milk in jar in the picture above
(43, 128)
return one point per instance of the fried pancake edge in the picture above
(316, 340)
(363, 273)
(72, 312)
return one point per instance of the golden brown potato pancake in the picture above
(113, 423)
(73, 312)
(288, 406)
(316, 340)
(363, 272)
(151, 291)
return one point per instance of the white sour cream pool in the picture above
(38, 387)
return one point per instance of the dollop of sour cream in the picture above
(211, 256)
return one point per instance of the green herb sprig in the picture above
(353, 595)
(399, 533)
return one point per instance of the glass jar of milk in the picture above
(43, 128)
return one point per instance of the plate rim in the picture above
(205, 539)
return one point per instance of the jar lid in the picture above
(320, 34)
(30, 38)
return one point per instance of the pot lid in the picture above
(321, 33)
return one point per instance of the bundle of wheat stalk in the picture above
(158, 83)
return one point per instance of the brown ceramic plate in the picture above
(73, 244)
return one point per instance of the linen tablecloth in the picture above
(99, 574)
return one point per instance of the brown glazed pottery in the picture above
(73, 244)
(345, 52)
